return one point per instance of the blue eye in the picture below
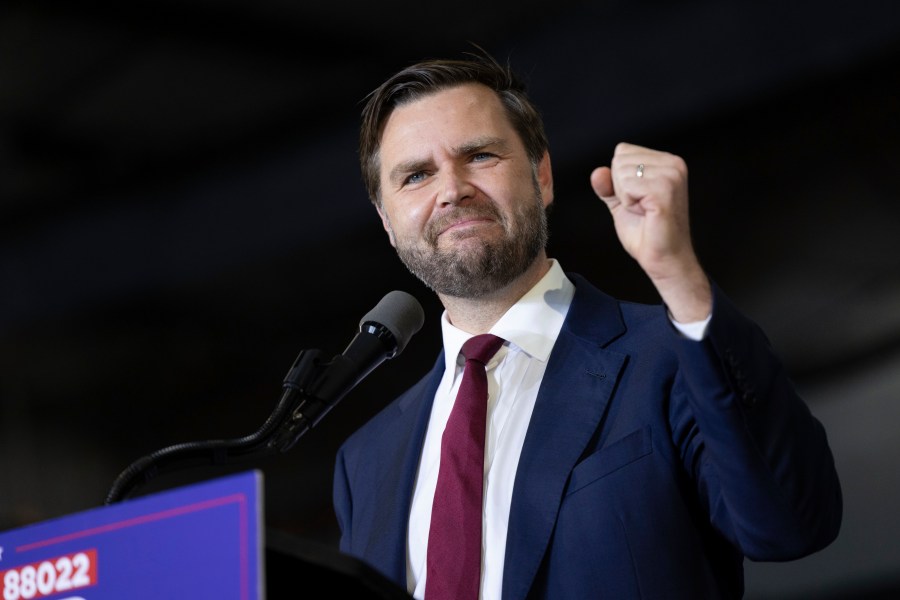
(415, 177)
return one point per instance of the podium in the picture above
(206, 540)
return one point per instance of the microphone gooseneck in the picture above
(311, 388)
(383, 333)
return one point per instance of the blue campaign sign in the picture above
(197, 541)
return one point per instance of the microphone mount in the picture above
(311, 388)
(286, 424)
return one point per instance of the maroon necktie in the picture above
(453, 570)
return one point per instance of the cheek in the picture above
(408, 218)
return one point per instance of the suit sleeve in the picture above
(759, 457)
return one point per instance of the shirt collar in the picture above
(532, 324)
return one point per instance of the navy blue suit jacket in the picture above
(652, 466)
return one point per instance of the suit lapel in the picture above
(404, 436)
(570, 406)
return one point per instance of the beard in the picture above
(476, 272)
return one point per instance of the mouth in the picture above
(464, 224)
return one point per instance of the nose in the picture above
(456, 187)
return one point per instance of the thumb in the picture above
(601, 181)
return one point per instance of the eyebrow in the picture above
(415, 165)
(479, 144)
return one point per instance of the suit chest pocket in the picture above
(613, 457)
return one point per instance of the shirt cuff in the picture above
(695, 330)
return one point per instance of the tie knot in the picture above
(482, 347)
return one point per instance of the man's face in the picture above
(461, 202)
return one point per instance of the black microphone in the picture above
(383, 334)
(311, 389)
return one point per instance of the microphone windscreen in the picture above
(401, 313)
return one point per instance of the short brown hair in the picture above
(430, 76)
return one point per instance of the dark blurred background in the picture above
(181, 214)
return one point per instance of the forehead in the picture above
(450, 117)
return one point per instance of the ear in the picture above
(385, 222)
(545, 178)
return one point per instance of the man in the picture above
(632, 451)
